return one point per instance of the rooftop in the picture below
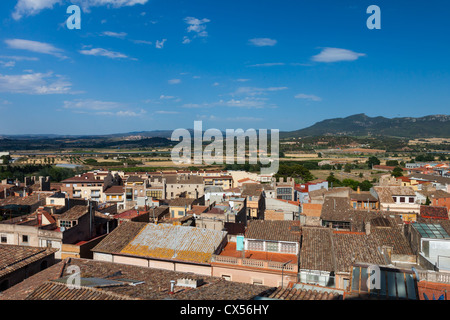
(434, 212)
(150, 284)
(273, 230)
(162, 241)
(14, 257)
(73, 213)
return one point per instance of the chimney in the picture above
(358, 191)
(172, 285)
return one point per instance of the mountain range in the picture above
(436, 126)
(433, 126)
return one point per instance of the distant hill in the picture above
(436, 126)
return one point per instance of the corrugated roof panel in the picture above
(175, 242)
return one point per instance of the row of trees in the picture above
(335, 182)
(20, 172)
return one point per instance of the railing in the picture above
(253, 263)
(433, 276)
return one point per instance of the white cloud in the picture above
(142, 42)
(269, 64)
(308, 97)
(242, 80)
(89, 104)
(263, 42)
(166, 112)
(33, 7)
(8, 64)
(119, 35)
(34, 83)
(35, 46)
(247, 102)
(197, 26)
(103, 53)
(252, 91)
(186, 40)
(163, 97)
(129, 113)
(174, 81)
(103, 108)
(192, 105)
(160, 44)
(86, 4)
(336, 54)
(19, 58)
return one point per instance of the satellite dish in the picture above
(62, 229)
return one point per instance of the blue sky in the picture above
(138, 65)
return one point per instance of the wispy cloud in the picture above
(120, 35)
(253, 91)
(166, 112)
(174, 81)
(104, 53)
(245, 102)
(186, 40)
(7, 64)
(91, 105)
(310, 97)
(262, 42)
(33, 7)
(19, 58)
(163, 97)
(142, 42)
(99, 107)
(197, 26)
(160, 44)
(35, 46)
(336, 54)
(268, 64)
(35, 83)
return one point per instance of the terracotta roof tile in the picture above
(282, 230)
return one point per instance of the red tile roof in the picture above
(430, 212)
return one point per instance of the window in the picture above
(272, 246)
(226, 277)
(288, 248)
(402, 199)
(4, 239)
(411, 200)
(52, 201)
(24, 238)
(255, 245)
(65, 224)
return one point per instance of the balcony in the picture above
(253, 263)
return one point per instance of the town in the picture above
(226, 234)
